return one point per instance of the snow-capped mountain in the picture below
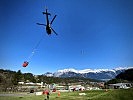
(99, 74)
(48, 74)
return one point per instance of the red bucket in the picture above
(25, 64)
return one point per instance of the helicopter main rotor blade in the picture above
(54, 31)
(40, 24)
(53, 19)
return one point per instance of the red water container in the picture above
(25, 64)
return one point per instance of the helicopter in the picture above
(49, 29)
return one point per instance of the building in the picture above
(120, 86)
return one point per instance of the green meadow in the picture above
(120, 94)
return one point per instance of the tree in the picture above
(29, 76)
(17, 77)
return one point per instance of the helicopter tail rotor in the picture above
(46, 13)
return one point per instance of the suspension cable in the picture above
(34, 50)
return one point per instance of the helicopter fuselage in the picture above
(48, 29)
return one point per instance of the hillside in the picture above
(126, 75)
(13, 77)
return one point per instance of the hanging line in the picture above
(34, 50)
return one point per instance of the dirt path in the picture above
(16, 94)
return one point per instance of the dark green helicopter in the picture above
(49, 29)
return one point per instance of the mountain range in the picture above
(98, 74)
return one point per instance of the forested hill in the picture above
(126, 75)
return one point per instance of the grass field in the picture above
(121, 94)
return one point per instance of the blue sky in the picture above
(92, 34)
